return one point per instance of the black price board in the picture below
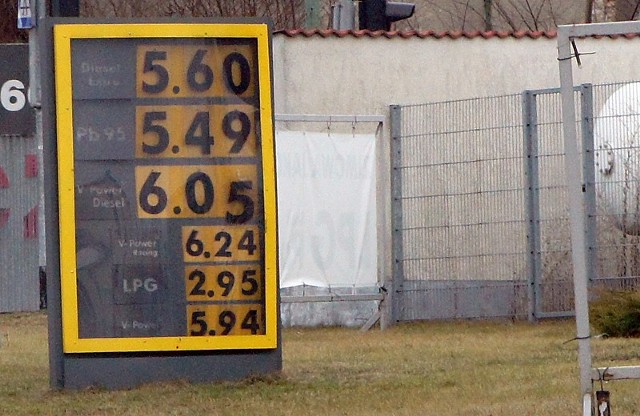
(166, 187)
(16, 115)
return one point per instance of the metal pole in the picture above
(35, 101)
(395, 295)
(312, 10)
(576, 209)
(37, 57)
(344, 15)
(533, 203)
(588, 175)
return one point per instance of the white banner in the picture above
(326, 209)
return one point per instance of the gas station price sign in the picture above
(166, 187)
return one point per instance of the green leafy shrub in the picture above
(616, 313)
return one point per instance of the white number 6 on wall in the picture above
(11, 96)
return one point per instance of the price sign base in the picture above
(128, 371)
(160, 202)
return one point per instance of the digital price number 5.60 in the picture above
(212, 70)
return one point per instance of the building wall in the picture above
(350, 74)
(323, 73)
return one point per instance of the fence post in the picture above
(588, 178)
(532, 198)
(397, 280)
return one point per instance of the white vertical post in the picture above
(344, 15)
(576, 208)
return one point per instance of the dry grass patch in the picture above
(437, 368)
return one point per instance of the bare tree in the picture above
(506, 15)
(120, 8)
(488, 21)
(9, 32)
(515, 15)
(285, 14)
(438, 15)
(627, 9)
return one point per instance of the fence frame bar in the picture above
(396, 214)
(532, 204)
(577, 205)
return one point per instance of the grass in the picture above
(427, 368)
(616, 313)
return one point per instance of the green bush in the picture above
(616, 313)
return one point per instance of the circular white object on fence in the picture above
(617, 158)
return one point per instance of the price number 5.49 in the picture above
(195, 131)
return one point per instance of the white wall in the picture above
(363, 75)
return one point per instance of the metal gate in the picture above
(479, 212)
(549, 245)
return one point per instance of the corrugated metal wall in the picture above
(19, 190)
(19, 196)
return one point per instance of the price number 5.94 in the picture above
(229, 319)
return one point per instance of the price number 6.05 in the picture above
(176, 192)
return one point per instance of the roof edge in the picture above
(422, 34)
(327, 33)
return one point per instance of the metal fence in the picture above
(480, 219)
(613, 233)
(459, 238)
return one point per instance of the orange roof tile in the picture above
(327, 33)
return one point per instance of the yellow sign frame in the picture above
(63, 35)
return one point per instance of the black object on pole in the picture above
(379, 14)
(65, 8)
